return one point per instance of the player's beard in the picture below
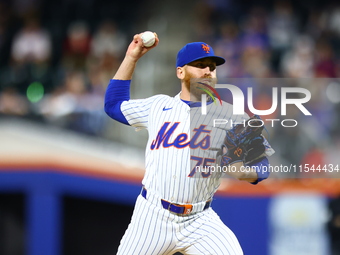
(195, 85)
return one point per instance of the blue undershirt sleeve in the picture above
(262, 168)
(117, 92)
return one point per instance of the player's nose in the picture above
(207, 70)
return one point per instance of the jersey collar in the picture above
(189, 103)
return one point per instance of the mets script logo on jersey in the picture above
(182, 140)
(209, 93)
(206, 48)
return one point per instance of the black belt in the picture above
(176, 208)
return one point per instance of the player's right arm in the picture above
(118, 90)
(134, 52)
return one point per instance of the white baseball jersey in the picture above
(168, 162)
(180, 138)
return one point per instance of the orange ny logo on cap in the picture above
(206, 48)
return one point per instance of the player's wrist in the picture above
(240, 172)
(131, 59)
(261, 166)
(126, 69)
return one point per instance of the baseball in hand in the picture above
(148, 38)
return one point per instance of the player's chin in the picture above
(196, 93)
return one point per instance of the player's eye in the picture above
(201, 65)
(212, 67)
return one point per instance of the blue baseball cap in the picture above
(195, 51)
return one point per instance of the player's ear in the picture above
(180, 72)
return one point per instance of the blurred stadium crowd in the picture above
(56, 58)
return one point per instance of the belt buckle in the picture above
(169, 207)
(187, 208)
(169, 204)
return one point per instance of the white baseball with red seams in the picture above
(148, 38)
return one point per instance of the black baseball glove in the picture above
(243, 142)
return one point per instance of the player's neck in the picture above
(190, 98)
(187, 96)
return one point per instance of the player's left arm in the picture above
(257, 153)
(253, 172)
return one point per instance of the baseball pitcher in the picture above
(173, 212)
